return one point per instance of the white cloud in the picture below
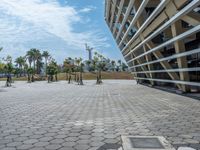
(25, 22)
(87, 9)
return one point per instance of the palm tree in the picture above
(8, 59)
(76, 61)
(29, 56)
(38, 59)
(34, 58)
(81, 73)
(113, 65)
(120, 64)
(32, 55)
(8, 69)
(88, 63)
(124, 67)
(67, 69)
(30, 74)
(20, 62)
(99, 64)
(46, 56)
(75, 68)
(52, 69)
(80, 69)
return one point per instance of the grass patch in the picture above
(88, 76)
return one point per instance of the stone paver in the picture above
(92, 117)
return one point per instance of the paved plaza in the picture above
(60, 116)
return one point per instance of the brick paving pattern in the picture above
(42, 116)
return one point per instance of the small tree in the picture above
(30, 56)
(68, 66)
(9, 69)
(88, 63)
(113, 65)
(52, 69)
(20, 62)
(99, 65)
(80, 66)
(81, 73)
(46, 56)
(120, 65)
(30, 74)
(124, 67)
(2, 67)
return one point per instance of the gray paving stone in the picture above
(25, 147)
(31, 141)
(85, 136)
(185, 148)
(69, 144)
(5, 141)
(66, 116)
(66, 148)
(53, 146)
(8, 148)
(71, 139)
(38, 144)
(57, 141)
(38, 148)
(84, 141)
(45, 139)
(81, 147)
(14, 144)
(97, 144)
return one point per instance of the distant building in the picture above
(159, 39)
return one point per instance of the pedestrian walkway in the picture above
(60, 116)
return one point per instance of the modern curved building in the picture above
(159, 39)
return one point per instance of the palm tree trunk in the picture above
(66, 76)
(97, 82)
(29, 78)
(100, 79)
(32, 78)
(30, 62)
(46, 67)
(69, 79)
(34, 66)
(75, 77)
(20, 74)
(56, 77)
(81, 78)
(38, 67)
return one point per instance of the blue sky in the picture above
(59, 26)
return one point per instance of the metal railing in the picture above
(170, 70)
(195, 51)
(130, 5)
(176, 17)
(179, 37)
(137, 15)
(148, 21)
(171, 81)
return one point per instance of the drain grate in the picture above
(145, 143)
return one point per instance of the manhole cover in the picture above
(145, 143)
